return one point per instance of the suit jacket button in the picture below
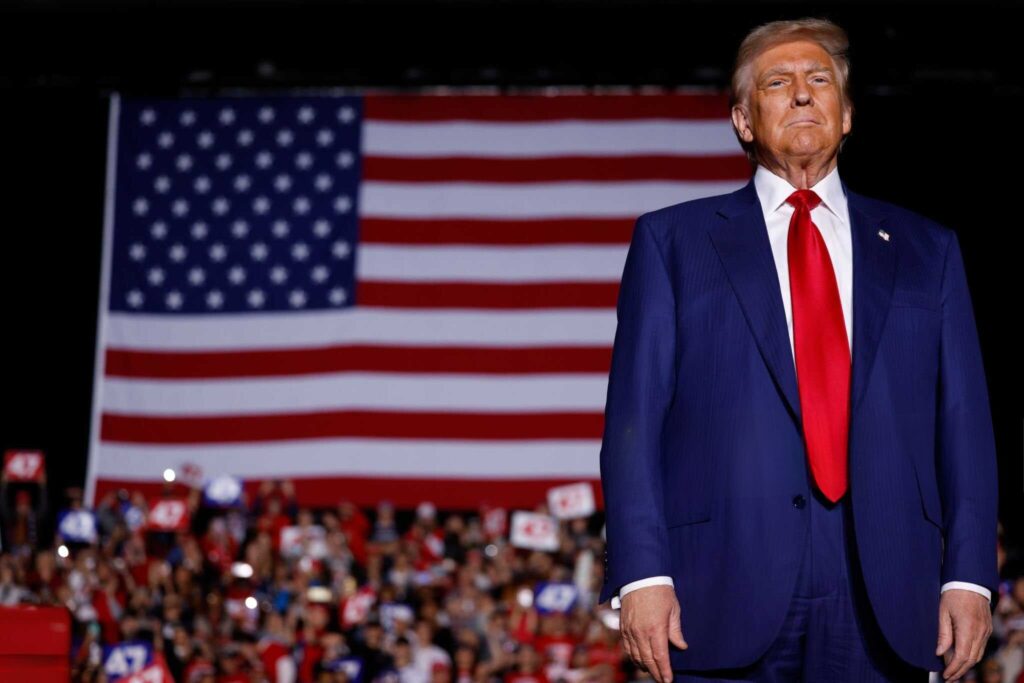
(799, 501)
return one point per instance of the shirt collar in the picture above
(773, 190)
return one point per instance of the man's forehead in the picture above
(809, 57)
(803, 65)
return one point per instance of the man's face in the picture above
(795, 110)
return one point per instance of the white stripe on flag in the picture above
(361, 326)
(537, 200)
(547, 459)
(549, 138)
(357, 391)
(569, 263)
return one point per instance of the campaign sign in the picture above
(134, 516)
(495, 522)
(352, 666)
(534, 531)
(78, 526)
(572, 500)
(124, 659)
(551, 596)
(190, 474)
(168, 514)
(309, 541)
(224, 491)
(22, 465)
(357, 607)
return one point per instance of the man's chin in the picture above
(808, 149)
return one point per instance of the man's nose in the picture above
(801, 93)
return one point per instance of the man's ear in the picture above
(741, 122)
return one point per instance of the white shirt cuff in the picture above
(640, 583)
(967, 586)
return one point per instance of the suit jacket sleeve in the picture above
(640, 390)
(966, 456)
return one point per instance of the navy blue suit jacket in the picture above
(703, 462)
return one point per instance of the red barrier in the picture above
(35, 643)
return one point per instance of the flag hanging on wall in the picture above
(378, 295)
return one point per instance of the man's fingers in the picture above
(659, 650)
(954, 668)
(654, 655)
(971, 654)
(976, 650)
(630, 646)
(647, 657)
(675, 633)
(626, 645)
(958, 667)
(636, 653)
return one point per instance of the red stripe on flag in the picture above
(414, 107)
(536, 170)
(475, 231)
(403, 492)
(116, 428)
(487, 295)
(357, 358)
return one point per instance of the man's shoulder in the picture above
(915, 225)
(690, 215)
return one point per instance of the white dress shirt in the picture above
(833, 220)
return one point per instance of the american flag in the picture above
(378, 295)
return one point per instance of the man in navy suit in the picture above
(798, 462)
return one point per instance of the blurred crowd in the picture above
(270, 591)
(267, 591)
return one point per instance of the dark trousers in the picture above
(829, 634)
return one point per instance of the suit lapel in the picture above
(741, 240)
(874, 270)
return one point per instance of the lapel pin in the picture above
(884, 235)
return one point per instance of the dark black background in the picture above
(937, 91)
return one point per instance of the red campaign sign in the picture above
(495, 522)
(534, 530)
(169, 514)
(571, 500)
(23, 465)
(356, 607)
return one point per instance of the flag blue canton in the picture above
(236, 207)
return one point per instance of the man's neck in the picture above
(801, 174)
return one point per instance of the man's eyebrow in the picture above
(786, 68)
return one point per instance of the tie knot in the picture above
(804, 198)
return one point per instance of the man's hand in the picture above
(648, 619)
(964, 615)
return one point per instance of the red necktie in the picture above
(822, 352)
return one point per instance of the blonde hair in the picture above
(830, 36)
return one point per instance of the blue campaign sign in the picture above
(134, 516)
(78, 526)
(224, 491)
(555, 597)
(125, 659)
(352, 666)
